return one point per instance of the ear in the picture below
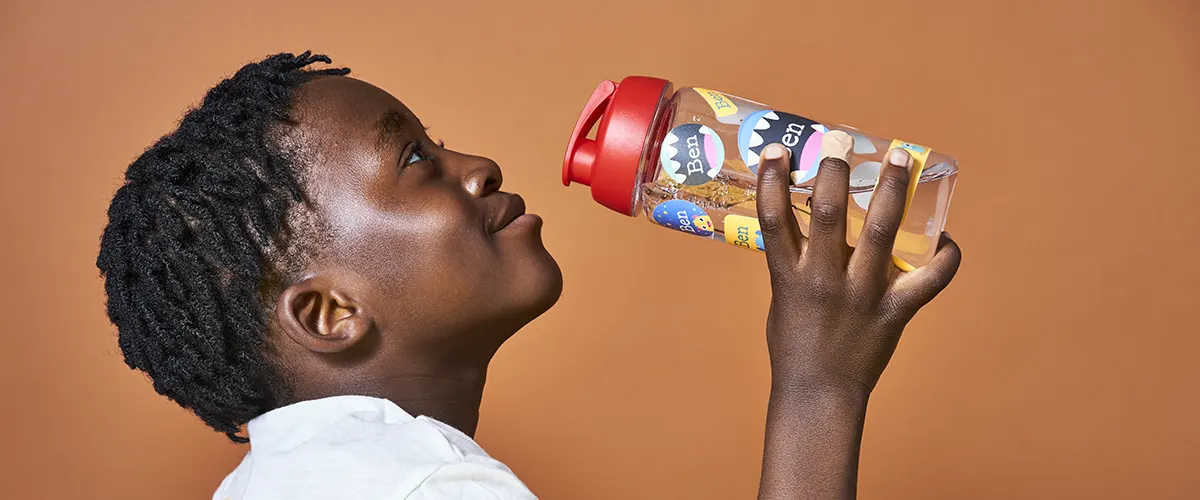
(320, 317)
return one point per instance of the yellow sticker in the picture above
(919, 155)
(720, 103)
(907, 242)
(743, 232)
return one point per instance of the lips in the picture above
(510, 207)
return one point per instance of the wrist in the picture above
(831, 389)
(831, 411)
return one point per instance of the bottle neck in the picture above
(649, 166)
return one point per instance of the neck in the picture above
(444, 384)
(452, 399)
(440, 384)
(449, 393)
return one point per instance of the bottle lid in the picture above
(609, 163)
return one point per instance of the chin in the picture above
(528, 297)
(532, 280)
(543, 284)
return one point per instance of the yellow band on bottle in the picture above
(919, 155)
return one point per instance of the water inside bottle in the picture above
(707, 208)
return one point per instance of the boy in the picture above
(300, 259)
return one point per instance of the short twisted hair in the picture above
(198, 240)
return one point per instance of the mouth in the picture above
(511, 209)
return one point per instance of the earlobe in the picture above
(320, 317)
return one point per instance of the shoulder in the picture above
(474, 474)
(418, 459)
(470, 480)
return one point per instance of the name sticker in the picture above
(720, 103)
(743, 232)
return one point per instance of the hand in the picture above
(836, 316)
(837, 312)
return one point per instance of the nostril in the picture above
(491, 184)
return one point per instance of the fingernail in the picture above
(837, 144)
(773, 152)
(900, 158)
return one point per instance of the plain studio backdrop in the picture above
(1060, 364)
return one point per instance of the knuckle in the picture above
(878, 234)
(943, 277)
(771, 221)
(894, 309)
(771, 178)
(826, 215)
(897, 183)
(834, 165)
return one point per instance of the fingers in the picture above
(919, 287)
(872, 254)
(781, 234)
(827, 223)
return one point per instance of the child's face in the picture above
(422, 236)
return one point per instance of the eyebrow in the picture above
(392, 126)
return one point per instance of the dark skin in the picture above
(836, 316)
(429, 268)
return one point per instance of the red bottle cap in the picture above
(609, 164)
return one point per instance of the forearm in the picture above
(812, 443)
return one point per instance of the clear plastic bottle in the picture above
(688, 160)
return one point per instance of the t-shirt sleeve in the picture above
(471, 481)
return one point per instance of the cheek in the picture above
(432, 244)
(443, 227)
(428, 249)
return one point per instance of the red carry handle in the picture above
(581, 151)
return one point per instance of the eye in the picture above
(415, 153)
(415, 157)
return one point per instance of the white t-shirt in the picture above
(357, 447)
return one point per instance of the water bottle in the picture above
(688, 160)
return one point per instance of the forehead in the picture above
(341, 112)
(344, 130)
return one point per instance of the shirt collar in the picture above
(292, 425)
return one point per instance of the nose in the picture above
(480, 176)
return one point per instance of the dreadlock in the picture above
(195, 237)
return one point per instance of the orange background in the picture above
(1060, 364)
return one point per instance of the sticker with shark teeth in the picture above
(801, 135)
(683, 215)
(692, 154)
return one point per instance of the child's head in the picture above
(299, 234)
